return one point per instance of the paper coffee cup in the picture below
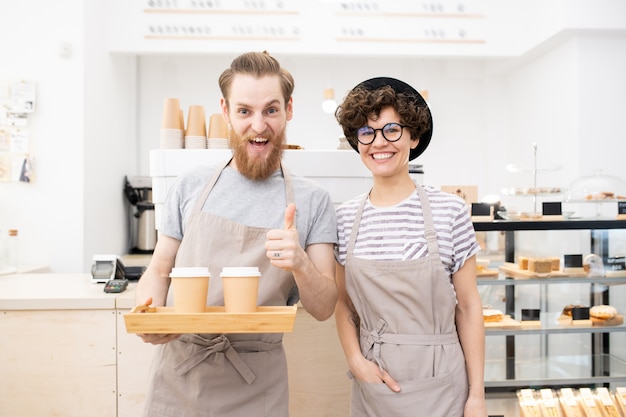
(196, 121)
(241, 289)
(171, 114)
(217, 127)
(191, 287)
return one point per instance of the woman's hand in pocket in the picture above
(368, 371)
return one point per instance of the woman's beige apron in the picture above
(407, 313)
(234, 375)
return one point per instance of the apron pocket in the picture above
(425, 397)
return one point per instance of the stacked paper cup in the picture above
(195, 135)
(172, 125)
(218, 132)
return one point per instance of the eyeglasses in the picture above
(392, 132)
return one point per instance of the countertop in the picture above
(56, 291)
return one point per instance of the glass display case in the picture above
(546, 351)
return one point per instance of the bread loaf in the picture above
(523, 263)
(569, 404)
(528, 405)
(549, 404)
(620, 399)
(603, 312)
(540, 265)
(588, 403)
(605, 402)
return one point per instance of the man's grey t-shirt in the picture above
(255, 203)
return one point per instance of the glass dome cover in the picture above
(597, 188)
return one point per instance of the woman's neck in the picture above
(390, 191)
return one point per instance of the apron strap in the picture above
(222, 345)
(375, 338)
(355, 226)
(289, 193)
(429, 225)
(207, 189)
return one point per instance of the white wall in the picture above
(82, 133)
(98, 116)
(48, 212)
(487, 113)
(110, 142)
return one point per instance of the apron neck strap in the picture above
(429, 226)
(289, 194)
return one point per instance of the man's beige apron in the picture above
(407, 311)
(234, 375)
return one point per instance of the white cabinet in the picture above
(341, 172)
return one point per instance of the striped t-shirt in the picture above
(397, 232)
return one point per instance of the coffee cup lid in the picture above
(240, 271)
(190, 272)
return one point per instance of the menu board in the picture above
(404, 27)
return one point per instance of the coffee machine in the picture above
(143, 235)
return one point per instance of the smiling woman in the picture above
(422, 241)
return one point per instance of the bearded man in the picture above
(241, 213)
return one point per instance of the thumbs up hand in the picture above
(290, 217)
(283, 245)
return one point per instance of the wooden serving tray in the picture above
(487, 273)
(512, 270)
(506, 323)
(164, 320)
(565, 320)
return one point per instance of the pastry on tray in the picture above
(567, 310)
(491, 315)
(605, 315)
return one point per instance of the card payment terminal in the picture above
(106, 268)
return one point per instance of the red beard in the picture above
(256, 168)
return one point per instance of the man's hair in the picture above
(257, 64)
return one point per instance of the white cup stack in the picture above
(172, 125)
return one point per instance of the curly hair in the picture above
(362, 104)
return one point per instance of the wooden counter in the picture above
(53, 292)
(58, 346)
(64, 343)
(68, 347)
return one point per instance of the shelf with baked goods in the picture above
(554, 323)
(502, 280)
(554, 371)
(550, 350)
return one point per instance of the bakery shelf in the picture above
(164, 320)
(554, 280)
(554, 370)
(549, 325)
(569, 224)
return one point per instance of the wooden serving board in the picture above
(618, 320)
(487, 273)
(614, 321)
(512, 270)
(506, 323)
(164, 320)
